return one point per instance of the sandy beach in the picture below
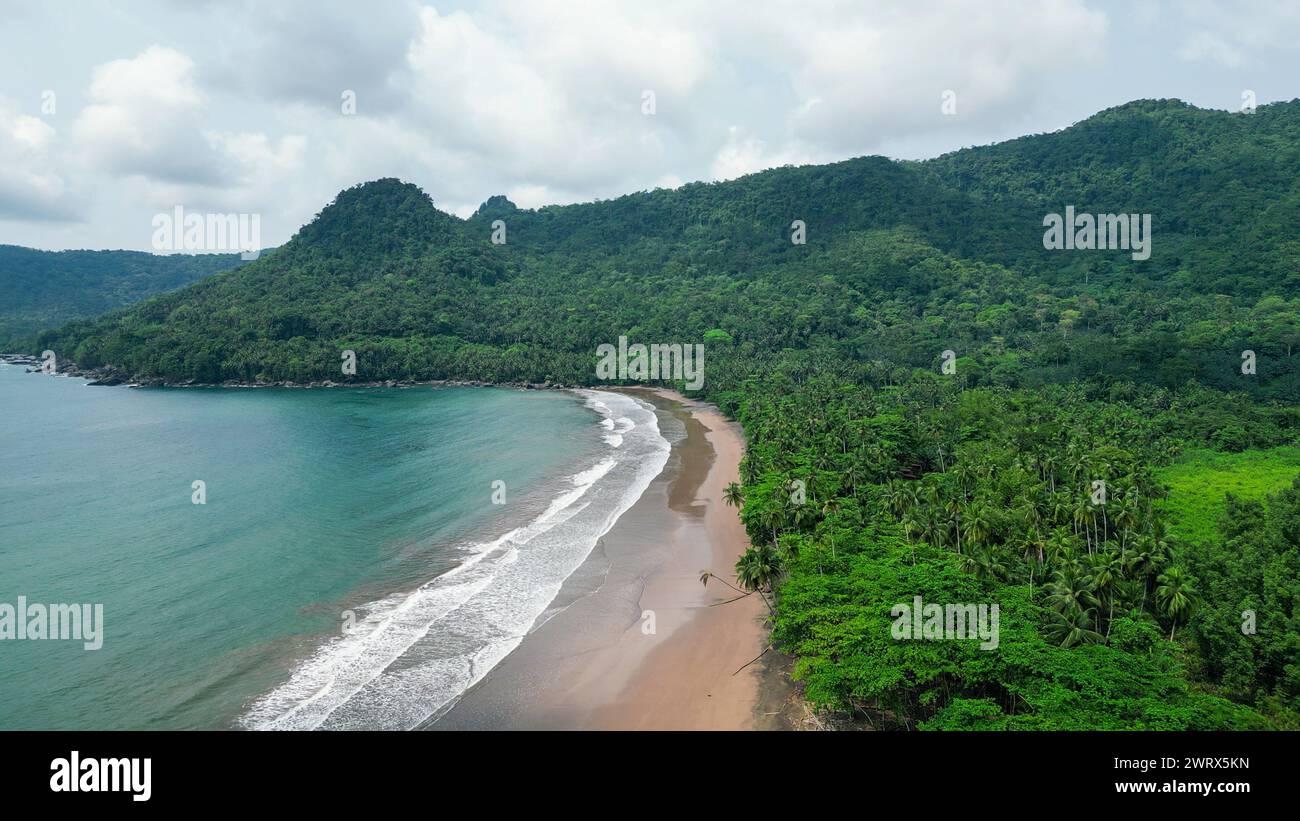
(638, 641)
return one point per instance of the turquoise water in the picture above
(323, 508)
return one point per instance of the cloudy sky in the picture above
(113, 112)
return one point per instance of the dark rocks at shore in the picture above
(112, 377)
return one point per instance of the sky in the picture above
(112, 113)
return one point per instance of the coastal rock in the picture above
(105, 376)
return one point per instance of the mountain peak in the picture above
(497, 205)
(383, 213)
(386, 190)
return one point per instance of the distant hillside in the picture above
(45, 289)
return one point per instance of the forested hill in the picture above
(46, 289)
(902, 261)
(948, 394)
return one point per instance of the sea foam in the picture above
(412, 654)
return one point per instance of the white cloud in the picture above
(867, 75)
(1232, 35)
(1206, 46)
(308, 52)
(744, 154)
(31, 188)
(541, 96)
(144, 118)
(238, 110)
(147, 126)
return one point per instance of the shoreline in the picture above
(724, 674)
(633, 640)
(112, 377)
(636, 641)
(109, 376)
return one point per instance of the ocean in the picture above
(361, 556)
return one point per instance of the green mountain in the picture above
(952, 394)
(903, 260)
(45, 289)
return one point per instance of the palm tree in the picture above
(1060, 546)
(706, 575)
(758, 568)
(979, 523)
(895, 496)
(965, 474)
(800, 513)
(1048, 464)
(1125, 510)
(1061, 508)
(1107, 568)
(773, 520)
(985, 564)
(853, 474)
(931, 528)
(1074, 627)
(955, 507)
(1174, 593)
(1033, 543)
(1129, 592)
(1147, 559)
(733, 495)
(1071, 591)
(830, 508)
(1082, 511)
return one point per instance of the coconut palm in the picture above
(707, 575)
(985, 564)
(1060, 546)
(1106, 570)
(894, 494)
(955, 507)
(1074, 627)
(733, 495)
(1071, 590)
(830, 508)
(1174, 593)
(758, 568)
(979, 523)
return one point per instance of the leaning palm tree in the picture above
(708, 575)
(733, 495)
(758, 569)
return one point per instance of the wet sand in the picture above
(639, 642)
